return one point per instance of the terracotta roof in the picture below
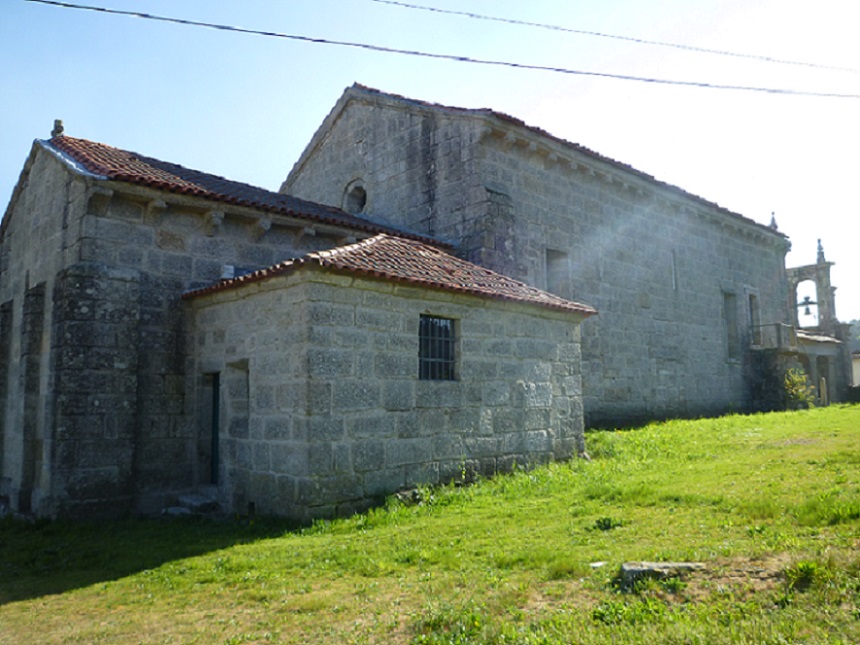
(816, 338)
(121, 165)
(515, 122)
(412, 262)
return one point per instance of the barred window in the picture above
(436, 349)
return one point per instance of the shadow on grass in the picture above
(51, 557)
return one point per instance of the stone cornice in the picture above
(572, 158)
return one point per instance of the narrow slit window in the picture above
(730, 315)
(437, 345)
(557, 273)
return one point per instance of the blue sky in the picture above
(245, 106)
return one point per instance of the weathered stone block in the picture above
(438, 394)
(330, 363)
(398, 395)
(422, 474)
(448, 447)
(368, 455)
(291, 458)
(356, 395)
(401, 452)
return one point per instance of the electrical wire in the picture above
(450, 57)
(641, 41)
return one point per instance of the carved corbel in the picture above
(308, 231)
(510, 140)
(154, 211)
(485, 133)
(261, 227)
(213, 222)
(99, 200)
(551, 160)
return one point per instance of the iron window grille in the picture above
(436, 349)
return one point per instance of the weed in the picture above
(803, 574)
(607, 523)
(829, 508)
(452, 625)
(640, 610)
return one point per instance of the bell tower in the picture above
(825, 299)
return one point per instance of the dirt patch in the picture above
(740, 577)
(796, 441)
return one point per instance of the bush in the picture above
(798, 394)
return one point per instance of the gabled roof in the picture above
(412, 262)
(380, 98)
(105, 162)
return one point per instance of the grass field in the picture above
(769, 503)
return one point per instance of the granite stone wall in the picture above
(96, 381)
(95, 419)
(37, 242)
(336, 416)
(660, 265)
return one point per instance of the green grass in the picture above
(770, 503)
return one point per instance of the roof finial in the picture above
(58, 128)
(773, 221)
(820, 252)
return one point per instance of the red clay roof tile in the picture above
(412, 262)
(121, 165)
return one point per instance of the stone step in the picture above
(200, 502)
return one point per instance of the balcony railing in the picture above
(774, 336)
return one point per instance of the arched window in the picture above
(355, 197)
(807, 304)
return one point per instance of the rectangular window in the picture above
(730, 315)
(755, 320)
(436, 349)
(557, 273)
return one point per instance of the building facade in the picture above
(118, 390)
(406, 310)
(683, 285)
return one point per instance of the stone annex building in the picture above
(407, 307)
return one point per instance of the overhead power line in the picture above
(641, 41)
(450, 57)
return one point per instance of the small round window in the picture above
(355, 198)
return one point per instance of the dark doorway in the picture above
(210, 435)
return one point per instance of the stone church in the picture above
(417, 301)
(695, 301)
